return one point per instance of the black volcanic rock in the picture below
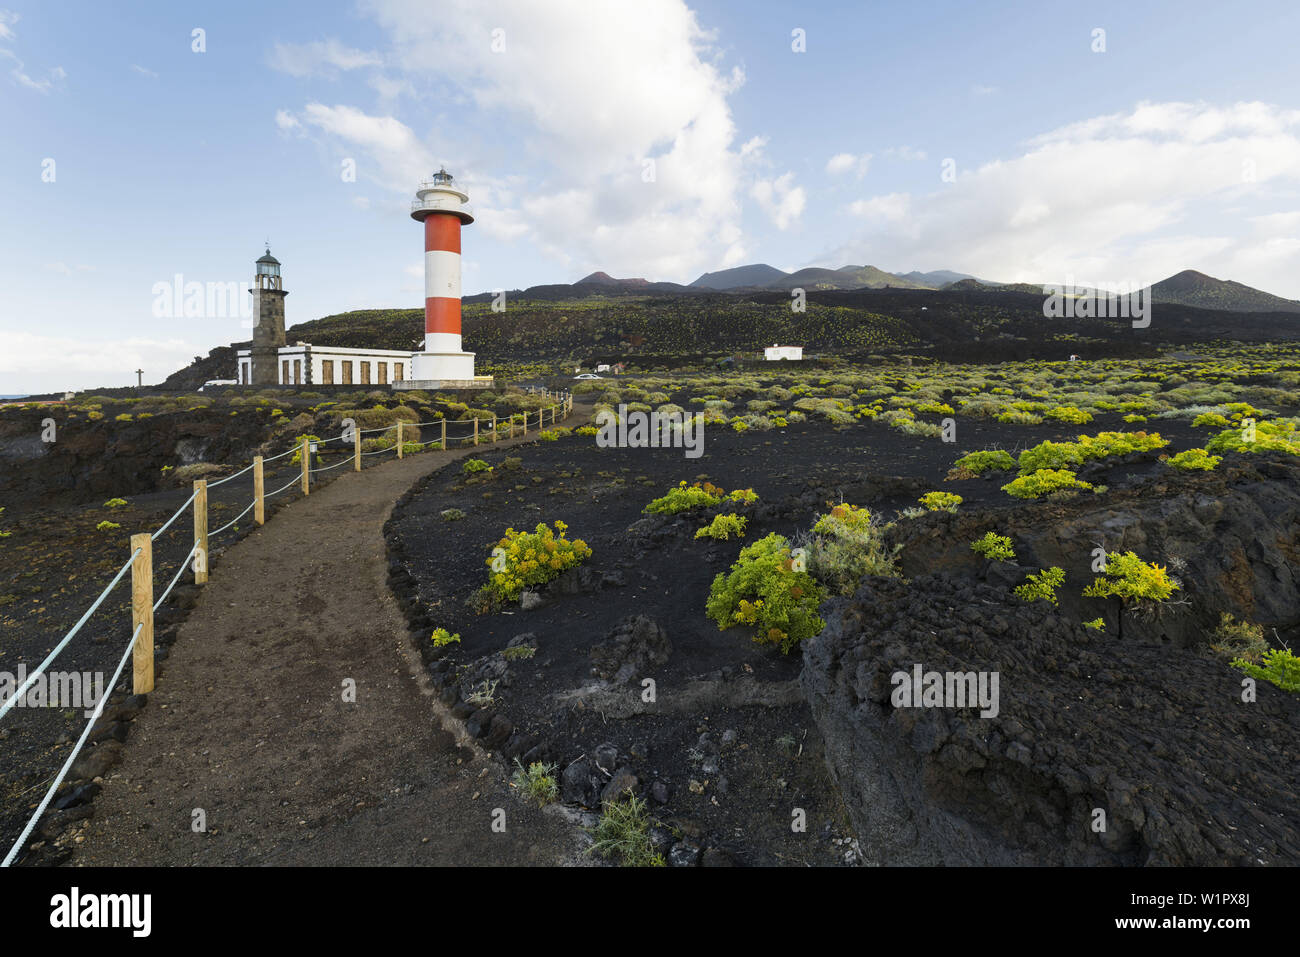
(1148, 728)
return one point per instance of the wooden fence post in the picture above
(356, 449)
(259, 492)
(494, 429)
(444, 435)
(201, 531)
(399, 444)
(305, 454)
(142, 613)
(476, 430)
(525, 422)
(512, 425)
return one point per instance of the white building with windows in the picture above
(307, 365)
(775, 352)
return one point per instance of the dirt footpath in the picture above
(249, 731)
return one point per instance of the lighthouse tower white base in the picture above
(427, 366)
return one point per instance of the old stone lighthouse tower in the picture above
(268, 320)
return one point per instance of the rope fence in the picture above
(141, 565)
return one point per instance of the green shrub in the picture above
(623, 834)
(1238, 640)
(1275, 436)
(1059, 455)
(471, 466)
(940, 501)
(522, 559)
(723, 527)
(537, 782)
(107, 526)
(847, 543)
(980, 462)
(685, 497)
(764, 591)
(1277, 666)
(1043, 482)
(1016, 417)
(1211, 420)
(115, 503)
(1042, 585)
(994, 546)
(1050, 455)
(940, 408)
(296, 458)
(1130, 579)
(1097, 624)
(442, 638)
(1194, 460)
(1068, 413)
(1107, 444)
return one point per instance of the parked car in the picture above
(218, 382)
(588, 375)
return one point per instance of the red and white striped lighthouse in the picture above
(443, 209)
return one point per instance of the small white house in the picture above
(305, 364)
(774, 352)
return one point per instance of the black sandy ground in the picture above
(249, 727)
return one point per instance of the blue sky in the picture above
(1178, 146)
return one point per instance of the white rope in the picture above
(229, 477)
(31, 679)
(326, 468)
(179, 572)
(99, 709)
(233, 520)
(391, 448)
(282, 454)
(154, 536)
(294, 481)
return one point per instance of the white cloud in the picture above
(1140, 195)
(36, 363)
(389, 88)
(891, 208)
(143, 71)
(842, 163)
(18, 71)
(980, 89)
(780, 199)
(286, 121)
(906, 153)
(592, 97)
(322, 58)
(401, 159)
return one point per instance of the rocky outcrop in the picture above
(1231, 538)
(633, 648)
(91, 460)
(1102, 751)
